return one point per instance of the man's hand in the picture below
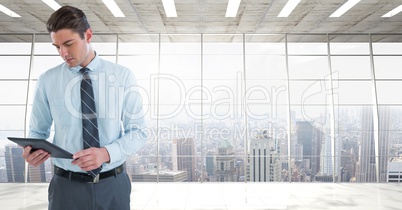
(91, 158)
(35, 158)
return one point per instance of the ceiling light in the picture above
(393, 12)
(114, 9)
(288, 8)
(52, 4)
(233, 7)
(8, 12)
(344, 8)
(170, 8)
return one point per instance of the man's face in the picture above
(71, 47)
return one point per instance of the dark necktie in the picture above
(90, 132)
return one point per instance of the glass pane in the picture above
(388, 67)
(308, 67)
(263, 98)
(143, 66)
(13, 118)
(139, 54)
(267, 67)
(310, 92)
(268, 146)
(16, 92)
(386, 90)
(178, 92)
(358, 67)
(355, 134)
(354, 92)
(386, 140)
(310, 144)
(15, 67)
(223, 78)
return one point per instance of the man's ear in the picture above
(88, 35)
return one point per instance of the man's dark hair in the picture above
(68, 17)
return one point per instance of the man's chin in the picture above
(71, 65)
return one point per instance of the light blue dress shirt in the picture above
(118, 104)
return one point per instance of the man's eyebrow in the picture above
(63, 42)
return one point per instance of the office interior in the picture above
(278, 104)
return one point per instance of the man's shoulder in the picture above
(54, 70)
(116, 68)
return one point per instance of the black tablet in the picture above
(54, 150)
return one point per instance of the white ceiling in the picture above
(203, 16)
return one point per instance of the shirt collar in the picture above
(92, 66)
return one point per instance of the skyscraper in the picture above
(15, 164)
(365, 167)
(210, 164)
(265, 164)
(311, 140)
(225, 163)
(384, 141)
(184, 153)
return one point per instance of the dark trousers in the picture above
(109, 194)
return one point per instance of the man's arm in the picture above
(132, 118)
(41, 118)
(39, 127)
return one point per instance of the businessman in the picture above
(97, 115)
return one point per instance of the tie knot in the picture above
(84, 72)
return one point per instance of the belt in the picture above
(81, 177)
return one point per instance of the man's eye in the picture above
(69, 44)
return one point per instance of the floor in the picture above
(220, 196)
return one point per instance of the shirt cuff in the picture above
(114, 152)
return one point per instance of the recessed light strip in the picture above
(52, 4)
(288, 8)
(170, 8)
(233, 7)
(344, 8)
(393, 12)
(114, 9)
(8, 12)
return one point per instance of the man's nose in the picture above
(63, 51)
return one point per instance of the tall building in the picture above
(265, 163)
(366, 165)
(384, 141)
(183, 153)
(210, 164)
(15, 163)
(225, 163)
(326, 156)
(311, 140)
